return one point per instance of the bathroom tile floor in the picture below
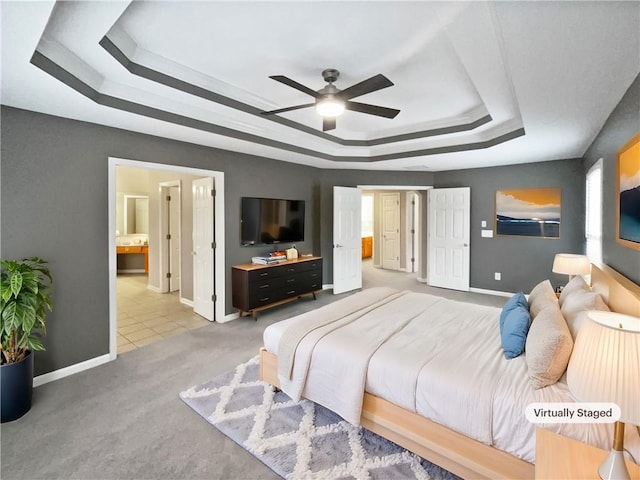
(145, 317)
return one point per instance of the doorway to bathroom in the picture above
(157, 301)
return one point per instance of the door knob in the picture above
(338, 245)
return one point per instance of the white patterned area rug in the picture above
(300, 440)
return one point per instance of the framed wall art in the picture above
(628, 194)
(528, 212)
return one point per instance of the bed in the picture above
(434, 380)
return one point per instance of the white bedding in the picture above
(443, 361)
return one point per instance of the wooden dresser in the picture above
(257, 287)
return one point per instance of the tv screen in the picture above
(270, 220)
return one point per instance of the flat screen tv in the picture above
(264, 221)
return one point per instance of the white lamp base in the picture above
(613, 467)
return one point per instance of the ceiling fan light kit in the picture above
(332, 102)
(330, 107)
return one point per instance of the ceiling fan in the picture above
(331, 101)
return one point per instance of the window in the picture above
(593, 213)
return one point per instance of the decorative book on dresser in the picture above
(257, 287)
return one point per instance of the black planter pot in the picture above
(16, 388)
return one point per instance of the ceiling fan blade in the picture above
(294, 84)
(287, 109)
(371, 109)
(328, 123)
(369, 85)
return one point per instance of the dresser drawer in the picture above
(267, 285)
(265, 273)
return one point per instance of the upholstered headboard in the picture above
(621, 294)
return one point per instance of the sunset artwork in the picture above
(629, 194)
(530, 212)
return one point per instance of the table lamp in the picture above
(571, 264)
(605, 367)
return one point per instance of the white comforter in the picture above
(439, 358)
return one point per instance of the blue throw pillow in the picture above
(513, 333)
(513, 302)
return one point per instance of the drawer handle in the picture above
(264, 299)
(291, 292)
(266, 285)
(264, 274)
(291, 280)
(314, 285)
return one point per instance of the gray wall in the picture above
(522, 261)
(54, 195)
(622, 124)
(54, 204)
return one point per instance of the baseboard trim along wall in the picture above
(229, 317)
(491, 292)
(186, 301)
(70, 370)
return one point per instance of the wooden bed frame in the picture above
(453, 451)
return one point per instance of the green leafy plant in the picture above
(25, 298)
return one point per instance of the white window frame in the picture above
(593, 212)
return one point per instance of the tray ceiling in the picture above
(478, 84)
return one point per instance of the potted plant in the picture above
(25, 298)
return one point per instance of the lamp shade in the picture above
(605, 363)
(571, 264)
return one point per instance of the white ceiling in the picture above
(478, 83)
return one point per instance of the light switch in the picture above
(487, 233)
(484, 223)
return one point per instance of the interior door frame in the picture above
(219, 273)
(163, 258)
(412, 257)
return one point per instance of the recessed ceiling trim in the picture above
(186, 87)
(44, 63)
(170, 81)
(66, 77)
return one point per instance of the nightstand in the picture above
(559, 457)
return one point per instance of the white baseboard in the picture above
(327, 286)
(70, 370)
(153, 288)
(229, 317)
(131, 270)
(186, 301)
(422, 280)
(491, 292)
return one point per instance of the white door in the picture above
(347, 240)
(449, 237)
(390, 203)
(174, 238)
(203, 247)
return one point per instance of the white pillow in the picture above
(542, 296)
(575, 307)
(548, 347)
(575, 285)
